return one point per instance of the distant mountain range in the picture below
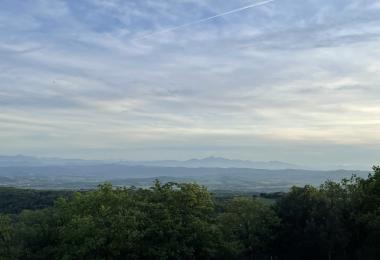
(209, 162)
(214, 172)
(216, 162)
(30, 161)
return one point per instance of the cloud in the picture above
(76, 78)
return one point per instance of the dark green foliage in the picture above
(248, 228)
(168, 221)
(13, 201)
(311, 219)
(364, 215)
(183, 221)
(6, 238)
(340, 220)
(36, 234)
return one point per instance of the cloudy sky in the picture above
(289, 80)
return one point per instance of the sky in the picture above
(289, 80)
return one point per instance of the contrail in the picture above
(207, 18)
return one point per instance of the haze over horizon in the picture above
(21, 160)
(284, 80)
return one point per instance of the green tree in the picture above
(168, 221)
(180, 221)
(312, 223)
(365, 215)
(36, 234)
(249, 228)
(7, 250)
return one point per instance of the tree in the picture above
(249, 228)
(36, 234)
(168, 221)
(365, 215)
(180, 221)
(7, 250)
(312, 223)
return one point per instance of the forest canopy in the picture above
(338, 220)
